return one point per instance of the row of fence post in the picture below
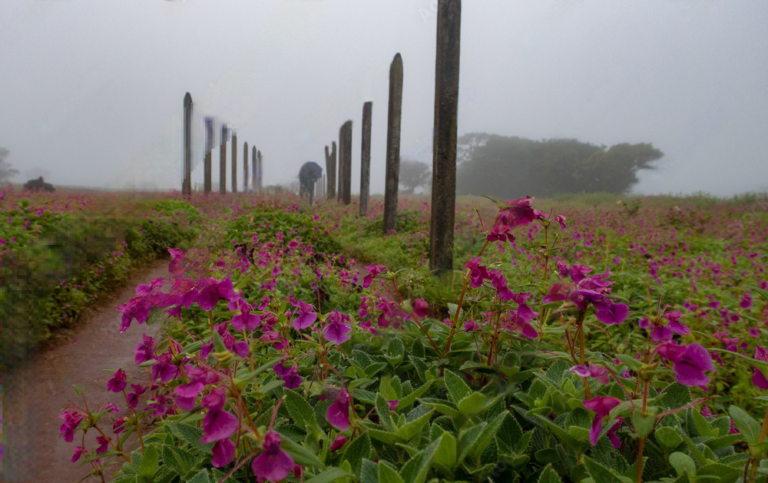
(256, 179)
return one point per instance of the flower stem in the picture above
(138, 428)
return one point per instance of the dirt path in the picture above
(78, 357)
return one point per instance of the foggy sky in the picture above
(91, 90)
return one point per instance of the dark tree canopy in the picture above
(512, 167)
(6, 170)
(413, 174)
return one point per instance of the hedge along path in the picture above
(96, 345)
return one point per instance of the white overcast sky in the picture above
(91, 90)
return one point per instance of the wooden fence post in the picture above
(223, 161)
(346, 197)
(186, 185)
(234, 163)
(330, 165)
(445, 132)
(365, 159)
(245, 166)
(393, 143)
(253, 169)
(260, 174)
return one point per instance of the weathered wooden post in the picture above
(346, 197)
(245, 167)
(340, 174)
(223, 161)
(208, 163)
(260, 175)
(234, 163)
(186, 185)
(365, 159)
(330, 167)
(393, 143)
(445, 132)
(253, 169)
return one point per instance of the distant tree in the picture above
(413, 174)
(511, 167)
(6, 170)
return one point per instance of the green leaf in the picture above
(150, 462)
(417, 468)
(457, 388)
(299, 453)
(467, 439)
(411, 397)
(549, 475)
(721, 472)
(386, 389)
(357, 450)
(487, 435)
(473, 404)
(246, 377)
(191, 435)
(200, 477)
(702, 425)
(674, 396)
(385, 418)
(387, 474)
(329, 475)
(412, 428)
(668, 437)
(602, 474)
(443, 406)
(369, 472)
(682, 463)
(632, 363)
(446, 456)
(643, 422)
(299, 409)
(746, 424)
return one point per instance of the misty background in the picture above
(91, 91)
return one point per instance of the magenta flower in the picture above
(72, 420)
(214, 291)
(78, 453)
(420, 308)
(338, 412)
(223, 452)
(746, 300)
(477, 272)
(145, 350)
(689, 363)
(245, 320)
(133, 397)
(117, 383)
(218, 424)
(611, 434)
(521, 321)
(602, 407)
(272, 464)
(593, 370)
(337, 330)
(518, 213)
(103, 444)
(500, 284)
(373, 271)
(165, 369)
(143, 290)
(500, 233)
(306, 318)
(560, 219)
(758, 379)
(175, 265)
(119, 425)
(338, 443)
(289, 375)
(136, 308)
(611, 313)
(393, 404)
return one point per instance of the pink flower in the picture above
(560, 219)
(245, 320)
(602, 407)
(373, 271)
(273, 464)
(218, 424)
(420, 308)
(477, 272)
(338, 412)
(689, 363)
(598, 372)
(518, 213)
(337, 330)
(338, 443)
(223, 453)
(746, 301)
(307, 317)
(78, 452)
(758, 379)
(117, 383)
(214, 291)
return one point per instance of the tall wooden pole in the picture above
(186, 185)
(365, 159)
(330, 165)
(234, 163)
(445, 135)
(340, 175)
(245, 166)
(346, 197)
(223, 161)
(260, 175)
(253, 168)
(208, 162)
(393, 143)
